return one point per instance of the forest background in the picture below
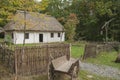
(89, 20)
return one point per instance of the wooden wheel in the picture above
(51, 74)
(75, 71)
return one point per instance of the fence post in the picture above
(48, 64)
(16, 71)
(69, 53)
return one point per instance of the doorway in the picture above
(40, 37)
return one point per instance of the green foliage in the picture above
(8, 39)
(9, 7)
(92, 15)
(70, 27)
(104, 8)
(57, 8)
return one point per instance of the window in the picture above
(52, 35)
(12, 35)
(58, 34)
(26, 35)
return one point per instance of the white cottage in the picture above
(38, 28)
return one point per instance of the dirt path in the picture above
(105, 71)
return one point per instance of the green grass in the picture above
(105, 58)
(27, 44)
(32, 77)
(84, 75)
(1, 40)
(34, 44)
(77, 51)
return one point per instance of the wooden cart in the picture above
(65, 66)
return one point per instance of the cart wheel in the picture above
(75, 72)
(51, 74)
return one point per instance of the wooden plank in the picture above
(61, 64)
(16, 68)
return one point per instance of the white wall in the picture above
(34, 37)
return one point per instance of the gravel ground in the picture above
(105, 71)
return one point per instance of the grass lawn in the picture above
(77, 50)
(84, 75)
(1, 39)
(105, 58)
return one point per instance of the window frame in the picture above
(59, 34)
(12, 35)
(52, 35)
(26, 36)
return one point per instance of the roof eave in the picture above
(34, 30)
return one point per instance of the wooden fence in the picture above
(93, 49)
(7, 57)
(34, 60)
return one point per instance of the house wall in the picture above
(34, 37)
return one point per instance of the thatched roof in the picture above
(34, 22)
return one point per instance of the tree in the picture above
(85, 11)
(57, 8)
(115, 25)
(70, 26)
(92, 15)
(9, 7)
